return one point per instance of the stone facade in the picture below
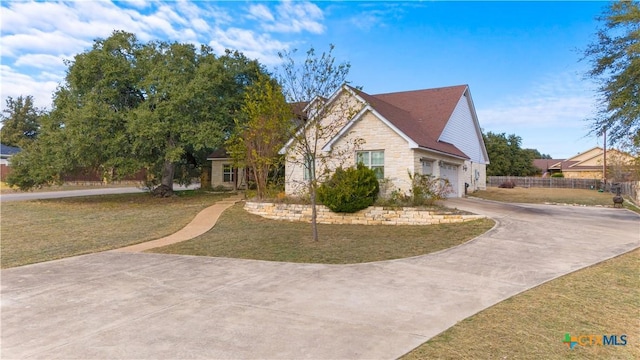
(374, 215)
(402, 156)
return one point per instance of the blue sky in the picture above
(520, 59)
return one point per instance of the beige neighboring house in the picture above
(224, 174)
(586, 165)
(432, 131)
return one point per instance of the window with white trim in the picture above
(227, 173)
(374, 160)
(427, 167)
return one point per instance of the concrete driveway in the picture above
(151, 306)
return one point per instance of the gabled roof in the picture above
(220, 153)
(420, 114)
(6, 150)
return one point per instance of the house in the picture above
(432, 131)
(588, 164)
(6, 152)
(224, 174)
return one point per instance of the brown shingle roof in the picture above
(220, 153)
(420, 114)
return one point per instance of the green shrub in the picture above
(557, 175)
(426, 189)
(349, 190)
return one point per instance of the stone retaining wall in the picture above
(374, 215)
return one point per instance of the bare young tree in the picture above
(315, 83)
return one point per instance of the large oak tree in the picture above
(127, 105)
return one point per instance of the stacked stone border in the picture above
(374, 215)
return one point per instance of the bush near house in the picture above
(507, 185)
(349, 190)
(557, 175)
(427, 189)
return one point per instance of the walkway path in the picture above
(118, 305)
(203, 222)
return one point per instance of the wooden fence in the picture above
(630, 189)
(494, 181)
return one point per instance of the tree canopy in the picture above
(507, 156)
(20, 121)
(127, 105)
(615, 65)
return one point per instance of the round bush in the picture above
(349, 190)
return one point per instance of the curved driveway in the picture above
(122, 305)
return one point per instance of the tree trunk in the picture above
(166, 185)
(314, 213)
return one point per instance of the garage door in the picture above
(450, 172)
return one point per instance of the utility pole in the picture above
(604, 162)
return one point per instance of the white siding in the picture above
(462, 132)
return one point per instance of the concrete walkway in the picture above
(203, 222)
(117, 305)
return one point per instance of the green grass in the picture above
(602, 299)
(36, 231)
(546, 195)
(239, 234)
(6, 189)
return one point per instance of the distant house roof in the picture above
(420, 114)
(219, 154)
(548, 164)
(6, 150)
(589, 160)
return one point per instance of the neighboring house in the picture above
(433, 131)
(224, 174)
(586, 165)
(6, 152)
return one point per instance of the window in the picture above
(427, 167)
(308, 168)
(374, 160)
(227, 173)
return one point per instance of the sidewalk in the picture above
(203, 222)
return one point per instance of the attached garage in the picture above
(450, 172)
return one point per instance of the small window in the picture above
(427, 167)
(227, 173)
(374, 160)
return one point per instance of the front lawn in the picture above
(546, 195)
(603, 299)
(239, 234)
(36, 231)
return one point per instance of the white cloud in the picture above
(140, 4)
(36, 36)
(294, 17)
(15, 84)
(41, 61)
(252, 45)
(260, 12)
(37, 41)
